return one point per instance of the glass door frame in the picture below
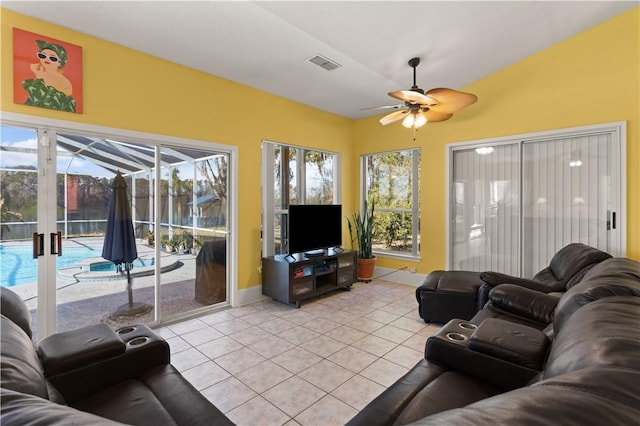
(46, 317)
(618, 131)
(47, 129)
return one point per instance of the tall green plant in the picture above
(362, 225)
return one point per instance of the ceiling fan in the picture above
(421, 108)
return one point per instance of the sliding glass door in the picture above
(567, 196)
(192, 230)
(485, 202)
(56, 187)
(19, 207)
(514, 203)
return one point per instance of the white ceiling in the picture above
(266, 45)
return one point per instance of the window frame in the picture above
(269, 209)
(50, 128)
(415, 202)
(618, 132)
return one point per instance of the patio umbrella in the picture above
(120, 240)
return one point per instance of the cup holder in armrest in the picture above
(467, 325)
(139, 337)
(450, 341)
(126, 330)
(458, 337)
(138, 341)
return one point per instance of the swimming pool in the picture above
(19, 267)
(107, 266)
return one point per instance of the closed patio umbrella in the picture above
(120, 240)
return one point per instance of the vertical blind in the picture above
(513, 205)
(566, 196)
(485, 218)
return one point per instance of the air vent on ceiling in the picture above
(323, 62)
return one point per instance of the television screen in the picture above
(313, 227)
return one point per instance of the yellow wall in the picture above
(126, 89)
(591, 78)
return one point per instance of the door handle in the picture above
(613, 220)
(38, 245)
(56, 247)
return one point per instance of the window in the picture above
(294, 175)
(391, 181)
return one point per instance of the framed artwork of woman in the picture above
(47, 72)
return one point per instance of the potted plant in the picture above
(362, 225)
(197, 246)
(172, 244)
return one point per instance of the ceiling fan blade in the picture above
(393, 117)
(450, 101)
(435, 116)
(383, 107)
(413, 97)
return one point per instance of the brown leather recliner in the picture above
(445, 295)
(566, 268)
(544, 311)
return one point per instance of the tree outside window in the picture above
(300, 176)
(391, 180)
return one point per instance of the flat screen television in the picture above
(313, 227)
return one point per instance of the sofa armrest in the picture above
(531, 304)
(512, 342)
(450, 347)
(144, 350)
(496, 278)
(73, 349)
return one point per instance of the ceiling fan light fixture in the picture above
(409, 120)
(415, 120)
(420, 121)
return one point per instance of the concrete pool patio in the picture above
(85, 297)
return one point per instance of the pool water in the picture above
(107, 266)
(17, 265)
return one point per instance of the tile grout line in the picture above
(396, 295)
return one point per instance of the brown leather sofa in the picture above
(496, 371)
(515, 303)
(93, 376)
(445, 295)
(566, 268)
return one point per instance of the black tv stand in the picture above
(294, 277)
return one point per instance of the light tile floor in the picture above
(271, 364)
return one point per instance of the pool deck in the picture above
(82, 271)
(85, 297)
